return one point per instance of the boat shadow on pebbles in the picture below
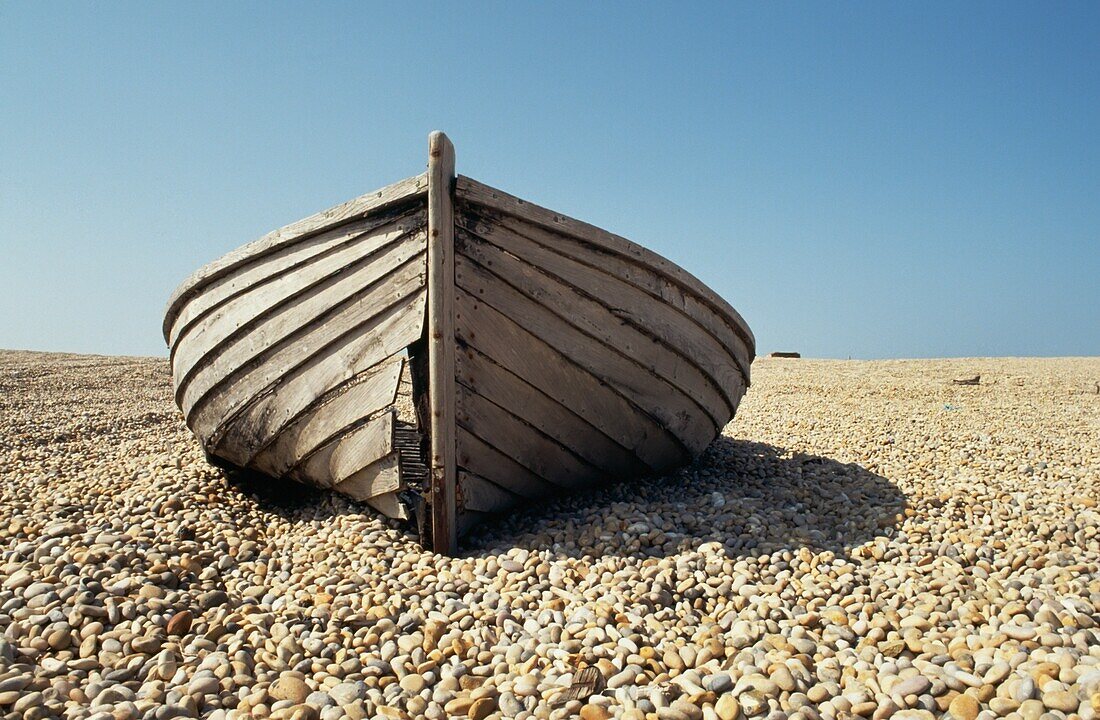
(751, 497)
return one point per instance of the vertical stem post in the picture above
(441, 340)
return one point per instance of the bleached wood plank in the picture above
(362, 447)
(681, 307)
(473, 191)
(642, 277)
(274, 347)
(668, 359)
(285, 336)
(478, 456)
(404, 191)
(496, 384)
(333, 412)
(288, 259)
(441, 340)
(379, 478)
(315, 370)
(538, 453)
(726, 367)
(290, 301)
(679, 413)
(483, 496)
(544, 367)
(390, 505)
(355, 456)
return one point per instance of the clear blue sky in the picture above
(863, 179)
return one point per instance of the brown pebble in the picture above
(594, 712)
(482, 708)
(180, 624)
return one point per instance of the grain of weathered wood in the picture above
(401, 192)
(343, 456)
(379, 478)
(680, 414)
(484, 496)
(288, 259)
(473, 191)
(332, 413)
(224, 398)
(390, 505)
(289, 302)
(441, 345)
(619, 328)
(498, 385)
(315, 371)
(360, 448)
(537, 452)
(355, 299)
(481, 457)
(695, 311)
(725, 366)
(544, 366)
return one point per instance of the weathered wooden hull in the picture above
(539, 354)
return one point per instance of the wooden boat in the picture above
(442, 349)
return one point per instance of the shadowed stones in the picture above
(751, 498)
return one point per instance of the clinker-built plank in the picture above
(616, 328)
(471, 190)
(287, 259)
(403, 192)
(371, 391)
(543, 366)
(356, 297)
(326, 367)
(480, 456)
(371, 311)
(697, 310)
(292, 299)
(630, 305)
(535, 451)
(343, 456)
(482, 375)
(681, 414)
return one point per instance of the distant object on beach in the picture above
(967, 380)
(441, 349)
(784, 355)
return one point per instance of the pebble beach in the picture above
(865, 540)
